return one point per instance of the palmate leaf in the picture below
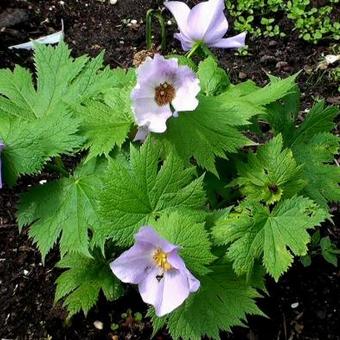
(104, 126)
(79, 285)
(212, 130)
(66, 208)
(106, 123)
(314, 147)
(253, 232)
(44, 110)
(222, 301)
(322, 176)
(139, 191)
(270, 174)
(29, 143)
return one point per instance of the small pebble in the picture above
(133, 22)
(169, 22)
(281, 64)
(43, 181)
(113, 2)
(98, 324)
(294, 305)
(26, 272)
(242, 75)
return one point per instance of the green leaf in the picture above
(187, 231)
(104, 126)
(314, 147)
(270, 174)
(212, 130)
(82, 282)
(272, 92)
(143, 190)
(222, 301)
(319, 119)
(253, 232)
(322, 176)
(29, 144)
(36, 120)
(213, 79)
(65, 209)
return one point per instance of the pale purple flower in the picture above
(205, 22)
(154, 264)
(163, 89)
(2, 145)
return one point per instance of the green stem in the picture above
(194, 49)
(149, 15)
(60, 167)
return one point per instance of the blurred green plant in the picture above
(321, 246)
(261, 18)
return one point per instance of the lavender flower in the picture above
(163, 89)
(205, 22)
(2, 145)
(154, 264)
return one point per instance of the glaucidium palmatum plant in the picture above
(172, 190)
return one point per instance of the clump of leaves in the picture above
(174, 181)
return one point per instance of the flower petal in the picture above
(203, 17)
(175, 292)
(217, 29)
(131, 266)
(151, 288)
(180, 11)
(148, 235)
(186, 43)
(233, 42)
(141, 134)
(150, 115)
(177, 262)
(187, 88)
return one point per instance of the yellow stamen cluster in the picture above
(164, 94)
(161, 259)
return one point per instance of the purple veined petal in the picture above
(233, 42)
(181, 12)
(148, 235)
(131, 266)
(177, 262)
(203, 16)
(175, 292)
(194, 284)
(151, 288)
(141, 134)
(150, 115)
(186, 43)
(217, 29)
(187, 88)
(2, 145)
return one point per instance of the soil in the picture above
(303, 305)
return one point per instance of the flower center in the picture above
(161, 259)
(164, 94)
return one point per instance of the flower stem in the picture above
(149, 15)
(196, 46)
(60, 167)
